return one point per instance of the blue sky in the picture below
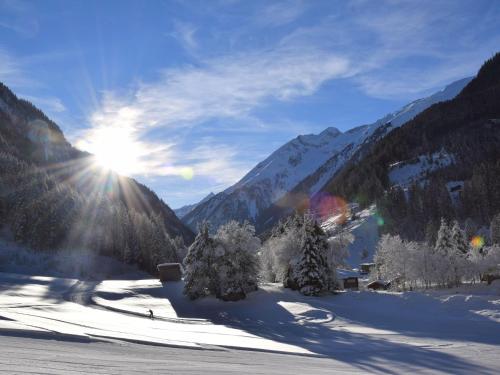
(187, 96)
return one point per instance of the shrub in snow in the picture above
(235, 260)
(391, 257)
(282, 249)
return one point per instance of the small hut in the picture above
(349, 279)
(170, 271)
(351, 283)
(379, 285)
(490, 277)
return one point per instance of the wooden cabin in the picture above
(379, 285)
(351, 283)
(170, 271)
(350, 279)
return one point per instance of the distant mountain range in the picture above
(301, 168)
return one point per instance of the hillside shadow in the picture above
(56, 290)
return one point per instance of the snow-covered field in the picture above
(272, 331)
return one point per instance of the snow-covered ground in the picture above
(452, 331)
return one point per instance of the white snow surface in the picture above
(381, 332)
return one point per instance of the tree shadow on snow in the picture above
(265, 314)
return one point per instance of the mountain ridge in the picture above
(294, 164)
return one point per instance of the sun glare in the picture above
(114, 149)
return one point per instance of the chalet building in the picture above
(170, 271)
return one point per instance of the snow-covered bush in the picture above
(235, 261)
(338, 249)
(281, 250)
(391, 257)
(483, 261)
(225, 266)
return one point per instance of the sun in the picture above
(115, 149)
(118, 148)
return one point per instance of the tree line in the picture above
(298, 254)
(453, 258)
(42, 212)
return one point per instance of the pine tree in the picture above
(459, 239)
(444, 242)
(311, 271)
(444, 249)
(199, 275)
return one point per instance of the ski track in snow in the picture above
(55, 325)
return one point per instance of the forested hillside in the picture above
(53, 196)
(443, 163)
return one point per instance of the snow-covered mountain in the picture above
(184, 210)
(307, 163)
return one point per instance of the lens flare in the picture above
(187, 173)
(477, 242)
(380, 220)
(325, 205)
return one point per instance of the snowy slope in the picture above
(308, 161)
(408, 172)
(364, 229)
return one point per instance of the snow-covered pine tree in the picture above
(444, 239)
(311, 271)
(199, 276)
(444, 249)
(459, 239)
